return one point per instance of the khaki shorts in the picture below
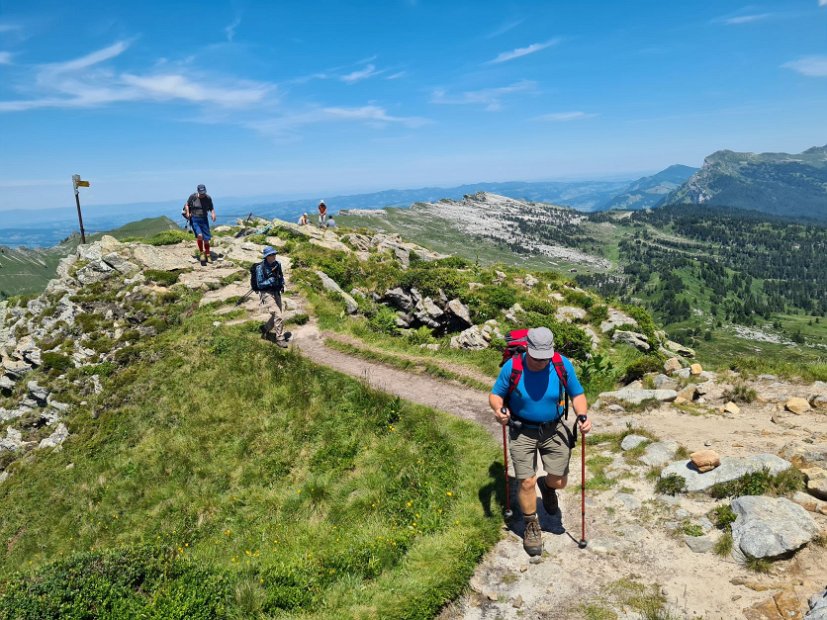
(554, 444)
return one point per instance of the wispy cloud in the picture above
(397, 75)
(230, 29)
(563, 117)
(360, 74)
(490, 98)
(811, 66)
(6, 27)
(523, 51)
(5, 58)
(509, 26)
(287, 124)
(83, 83)
(746, 19)
(822, 2)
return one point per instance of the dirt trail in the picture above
(630, 529)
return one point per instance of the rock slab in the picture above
(770, 527)
(731, 468)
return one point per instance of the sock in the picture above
(530, 517)
(207, 247)
(200, 245)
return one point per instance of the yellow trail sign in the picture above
(83, 183)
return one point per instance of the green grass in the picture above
(597, 478)
(759, 565)
(761, 483)
(670, 485)
(723, 546)
(288, 489)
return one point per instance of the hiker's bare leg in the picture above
(527, 495)
(556, 482)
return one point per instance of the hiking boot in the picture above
(209, 258)
(203, 258)
(533, 537)
(282, 343)
(550, 502)
(287, 336)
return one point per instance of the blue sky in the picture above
(316, 98)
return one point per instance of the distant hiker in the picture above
(322, 214)
(268, 281)
(331, 223)
(303, 220)
(195, 210)
(532, 395)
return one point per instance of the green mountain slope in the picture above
(25, 271)
(648, 191)
(775, 183)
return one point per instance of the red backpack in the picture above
(515, 345)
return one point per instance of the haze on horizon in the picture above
(253, 99)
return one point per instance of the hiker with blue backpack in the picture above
(531, 396)
(267, 279)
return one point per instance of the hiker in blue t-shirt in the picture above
(196, 208)
(534, 413)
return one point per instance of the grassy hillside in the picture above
(252, 484)
(26, 271)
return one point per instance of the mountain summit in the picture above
(649, 191)
(793, 185)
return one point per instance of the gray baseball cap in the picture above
(540, 342)
(202, 189)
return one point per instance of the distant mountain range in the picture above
(783, 184)
(647, 192)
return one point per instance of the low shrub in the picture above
(640, 367)
(163, 278)
(169, 237)
(56, 361)
(761, 483)
(670, 485)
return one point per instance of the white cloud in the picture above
(230, 29)
(822, 2)
(811, 66)
(82, 83)
(523, 51)
(506, 27)
(9, 27)
(397, 75)
(488, 97)
(377, 116)
(5, 58)
(361, 74)
(746, 19)
(562, 117)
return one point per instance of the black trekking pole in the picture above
(582, 544)
(508, 512)
(243, 299)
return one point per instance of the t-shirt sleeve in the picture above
(190, 200)
(501, 384)
(574, 387)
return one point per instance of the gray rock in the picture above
(330, 285)
(818, 606)
(615, 319)
(56, 438)
(460, 313)
(659, 453)
(471, 338)
(567, 314)
(530, 281)
(662, 382)
(629, 501)
(701, 544)
(639, 341)
(12, 441)
(731, 468)
(770, 527)
(399, 299)
(615, 408)
(38, 392)
(6, 384)
(805, 455)
(632, 441)
(680, 349)
(119, 263)
(635, 396)
(95, 271)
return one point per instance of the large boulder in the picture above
(471, 338)
(637, 340)
(770, 527)
(805, 454)
(797, 405)
(60, 435)
(6, 384)
(672, 365)
(95, 271)
(659, 453)
(38, 392)
(635, 396)
(330, 285)
(399, 299)
(816, 481)
(818, 606)
(632, 441)
(567, 314)
(615, 319)
(731, 468)
(460, 314)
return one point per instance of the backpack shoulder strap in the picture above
(516, 373)
(560, 369)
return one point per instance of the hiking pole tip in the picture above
(582, 544)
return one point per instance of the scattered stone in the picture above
(615, 408)
(784, 605)
(732, 408)
(517, 602)
(805, 455)
(797, 405)
(637, 340)
(731, 468)
(629, 501)
(56, 438)
(818, 606)
(659, 453)
(690, 392)
(6, 384)
(679, 348)
(399, 299)
(696, 369)
(530, 281)
(616, 319)
(662, 382)
(635, 396)
(810, 503)
(672, 365)
(819, 402)
(37, 392)
(632, 441)
(707, 443)
(567, 314)
(705, 460)
(460, 313)
(818, 486)
(701, 544)
(471, 338)
(770, 527)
